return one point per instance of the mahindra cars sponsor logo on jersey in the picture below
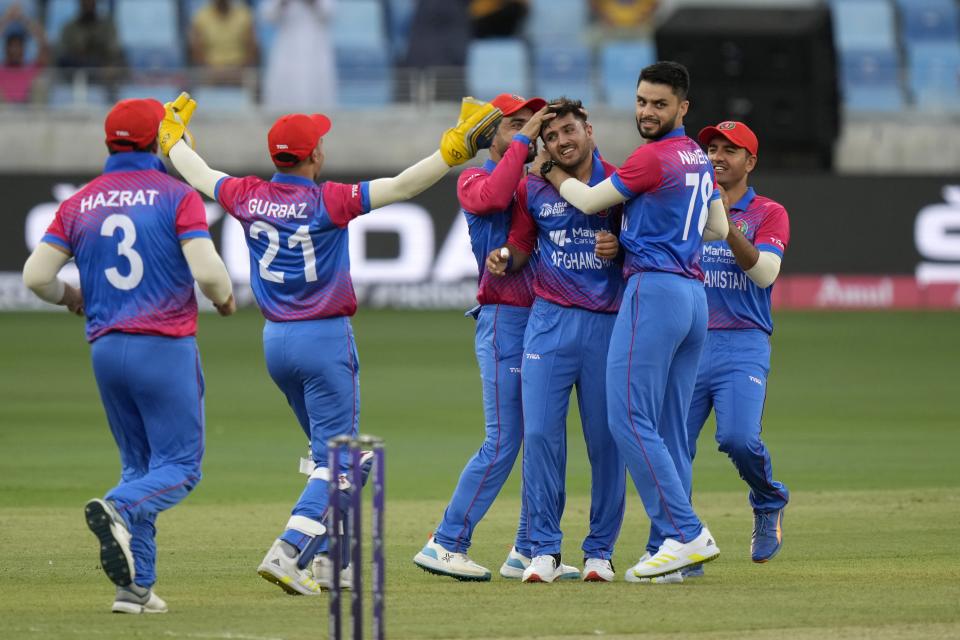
(717, 253)
(937, 236)
(548, 209)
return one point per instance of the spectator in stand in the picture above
(18, 77)
(624, 14)
(89, 40)
(222, 39)
(497, 18)
(301, 73)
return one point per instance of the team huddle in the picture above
(590, 275)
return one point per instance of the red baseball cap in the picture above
(133, 122)
(296, 134)
(510, 103)
(736, 132)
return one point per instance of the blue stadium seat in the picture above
(364, 77)
(64, 96)
(146, 28)
(497, 65)
(620, 65)
(359, 23)
(871, 80)
(924, 20)
(557, 21)
(30, 9)
(863, 24)
(400, 19)
(220, 99)
(563, 70)
(934, 75)
(60, 12)
(163, 92)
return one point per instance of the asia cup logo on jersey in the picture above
(549, 209)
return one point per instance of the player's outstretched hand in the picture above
(173, 128)
(227, 308)
(532, 127)
(474, 131)
(607, 245)
(497, 261)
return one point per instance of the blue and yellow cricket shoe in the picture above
(767, 535)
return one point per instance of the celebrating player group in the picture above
(645, 286)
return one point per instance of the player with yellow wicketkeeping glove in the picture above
(474, 131)
(173, 128)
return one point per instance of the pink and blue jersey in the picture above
(124, 229)
(670, 184)
(734, 300)
(485, 199)
(567, 272)
(296, 231)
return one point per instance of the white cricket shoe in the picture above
(134, 599)
(322, 569)
(598, 570)
(513, 567)
(435, 559)
(674, 555)
(542, 569)
(670, 578)
(108, 525)
(280, 569)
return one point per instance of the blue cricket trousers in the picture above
(499, 347)
(315, 364)
(566, 347)
(651, 372)
(733, 382)
(152, 391)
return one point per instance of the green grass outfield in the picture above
(862, 418)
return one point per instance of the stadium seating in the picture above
(66, 96)
(359, 23)
(929, 20)
(564, 70)
(399, 20)
(557, 21)
(864, 24)
(364, 77)
(871, 80)
(149, 33)
(934, 72)
(30, 7)
(164, 92)
(220, 99)
(620, 65)
(497, 65)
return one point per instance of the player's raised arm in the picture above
(40, 276)
(474, 131)
(175, 140)
(587, 199)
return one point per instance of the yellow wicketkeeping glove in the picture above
(475, 130)
(173, 128)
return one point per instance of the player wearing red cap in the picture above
(139, 239)
(732, 378)
(485, 194)
(296, 231)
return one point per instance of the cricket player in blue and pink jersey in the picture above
(739, 276)
(671, 207)
(578, 290)
(485, 194)
(140, 239)
(296, 231)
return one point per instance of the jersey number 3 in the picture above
(125, 250)
(702, 183)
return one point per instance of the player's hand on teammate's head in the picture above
(532, 127)
(475, 130)
(228, 308)
(497, 261)
(607, 246)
